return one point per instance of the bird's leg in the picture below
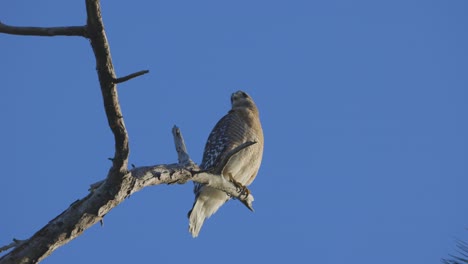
(243, 190)
(240, 188)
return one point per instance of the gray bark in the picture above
(120, 182)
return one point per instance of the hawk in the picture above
(241, 124)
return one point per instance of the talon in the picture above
(243, 190)
(246, 191)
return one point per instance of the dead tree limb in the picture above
(43, 31)
(106, 75)
(91, 209)
(130, 76)
(120, 183)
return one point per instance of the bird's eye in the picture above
(244, 95)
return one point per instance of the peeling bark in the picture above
(120, 183)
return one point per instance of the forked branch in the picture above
(120, 183)
(85, 212)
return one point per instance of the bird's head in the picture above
(241, 99)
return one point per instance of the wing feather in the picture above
(225, 136)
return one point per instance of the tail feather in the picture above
(207, 202)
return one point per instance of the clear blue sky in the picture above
(363, 104)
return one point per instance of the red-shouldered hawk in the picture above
(239, 125)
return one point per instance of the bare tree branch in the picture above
(182, 154)
(106, 75)
(120, 183)
(85, 212)
(130, 76)
(94, 31)
(44, 31)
